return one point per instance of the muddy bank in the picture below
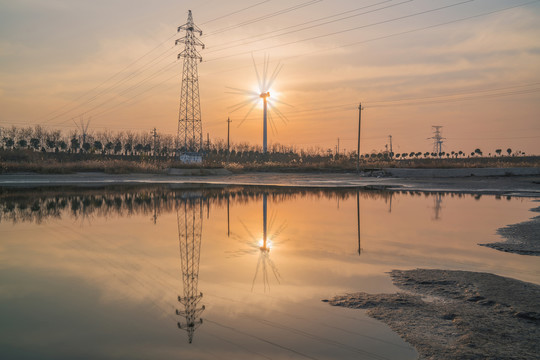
(522, 238)
(458, 314)
(504, 186)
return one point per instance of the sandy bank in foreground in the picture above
(458, 314)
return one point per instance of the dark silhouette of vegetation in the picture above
(128, 152)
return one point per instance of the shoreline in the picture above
(451, 315)
(522, 238)
(525, 186)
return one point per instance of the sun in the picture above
(262, 97)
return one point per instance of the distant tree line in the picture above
(162, 146)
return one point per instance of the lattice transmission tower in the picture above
(189, 138)
(437, 140)
(189, 216)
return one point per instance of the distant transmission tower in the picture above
(189, 216)
(83, 128)
(437, 140)
(189, 138)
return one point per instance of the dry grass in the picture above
(49, 163)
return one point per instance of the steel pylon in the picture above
(189, 137)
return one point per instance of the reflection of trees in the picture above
(38, 206)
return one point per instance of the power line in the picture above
(461, 96)
(235, 12)
(109, 89)
(313, 26)
(264, 17)
(424, 28)
(123, 92)
(52, 117)
(413, 30)
(348, 30)
(48, 117)
(484, 14)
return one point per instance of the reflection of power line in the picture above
(189, 235)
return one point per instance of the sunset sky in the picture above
(471, 66)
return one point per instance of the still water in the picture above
(110, 273)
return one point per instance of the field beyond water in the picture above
(12, 161)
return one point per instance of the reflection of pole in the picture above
(189, 236)
(264, 219)
(228, 222)
(358, 220)
(437, 206)
(264, 253)
(155, 210)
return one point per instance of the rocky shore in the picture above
(451, 315)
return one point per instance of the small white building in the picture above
(191, 158)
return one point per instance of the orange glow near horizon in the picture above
(471, 68)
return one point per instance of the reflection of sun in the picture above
(263, 246)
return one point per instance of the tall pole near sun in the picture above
(189, 137)
(263, 92)
(265, 96)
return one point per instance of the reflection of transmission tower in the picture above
(437, 206)
(189, 219)
(437, 140)
(189, 136)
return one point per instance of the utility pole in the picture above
(358, 147)
(229, 121)
(189, 137)
(207, 141)
(337, 146)
(154, 134)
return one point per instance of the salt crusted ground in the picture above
(458, 314)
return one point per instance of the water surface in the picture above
(109, 273)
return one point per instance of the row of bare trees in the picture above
(127, 143)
